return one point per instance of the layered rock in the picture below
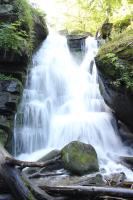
(22, 28)
(115, 67)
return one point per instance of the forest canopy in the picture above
(88, 15)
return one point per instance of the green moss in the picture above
(24, 11)
(12, 39)
(17, 36)
(38, 12)
(79, 158)
(122, 23)
(3, 137)
(115, 59)
(27, 185)
(119, 71)
(4, 77)
(119, 43)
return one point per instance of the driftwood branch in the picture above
(38, 174)
(90, 191)
(18, 183)
(14, 162)
(110, 198)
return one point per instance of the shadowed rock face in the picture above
(10, 92)
(115, 67)
(13, 63)
(76, 42)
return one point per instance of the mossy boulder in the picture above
(79, 158)
(115, 67)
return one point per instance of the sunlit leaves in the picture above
(88, 15)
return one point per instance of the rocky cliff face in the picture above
(22, 28)
(115, 66)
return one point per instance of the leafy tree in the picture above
(88, 15)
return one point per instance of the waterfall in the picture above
(62, 103)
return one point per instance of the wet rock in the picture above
(3, 137)
(12, 86)
(126, 134)
(52, 154)
(116, 179)
(76, 42)
(115, 64)
(8, 103)
(6, 8)
(40, 29)
(68, 180)
(14, 57)
(10, 91)
(6, 127)
(79, 158)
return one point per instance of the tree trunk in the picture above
(90, 191)
(14, 162)
(18, 183)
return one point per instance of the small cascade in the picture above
(62, 103)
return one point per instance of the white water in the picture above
(62, 103)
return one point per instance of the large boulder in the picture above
(115, 67)
(79, 158)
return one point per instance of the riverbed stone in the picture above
(51, 155)
(95, 179)
(79, 158)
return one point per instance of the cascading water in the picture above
(62, 103)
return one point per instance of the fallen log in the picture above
(13, 178)
(110, 198)
(127, 184)
(19, 185)
(38, 174)
(89, 191)
(14, 162)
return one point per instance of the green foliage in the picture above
(118, 43)
(38, 12)
(17, 36)
(13, 38)
(89, 15)
(123, 22)
(24, 12)
(115, 56)
(4, 77)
